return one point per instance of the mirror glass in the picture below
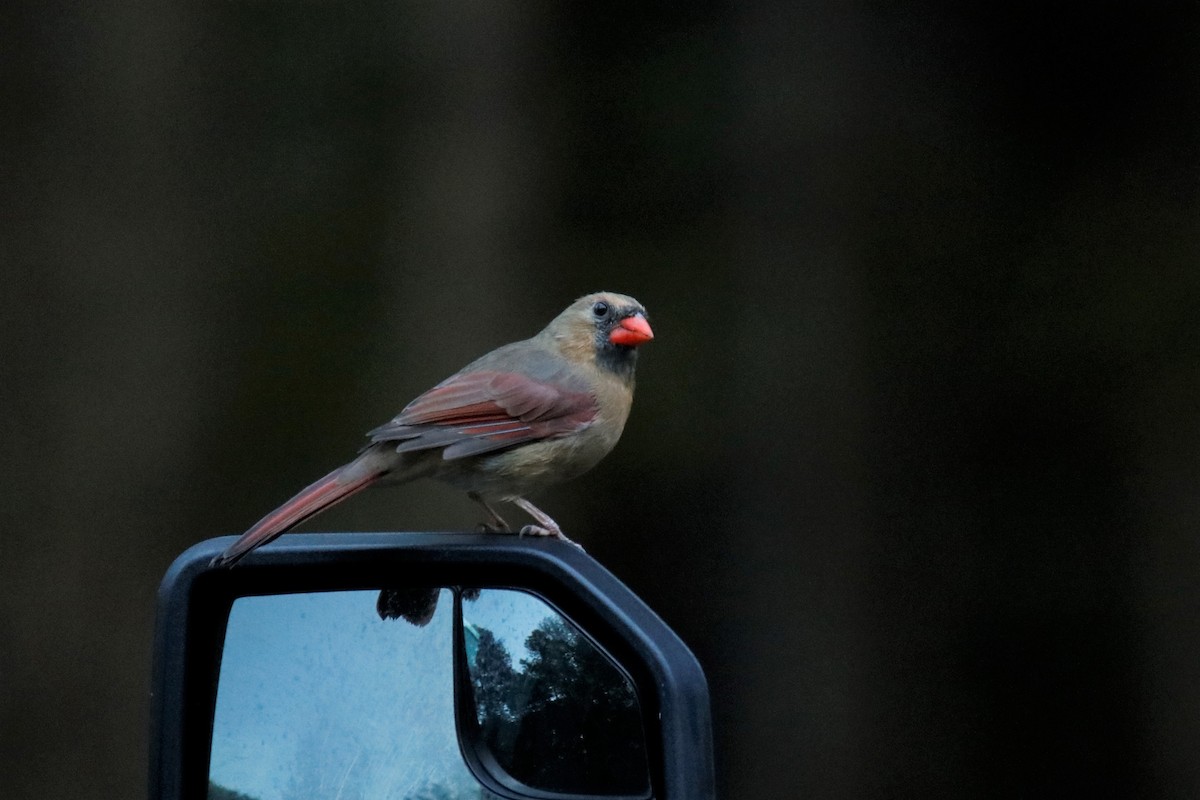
(554, 712)
(330, 695)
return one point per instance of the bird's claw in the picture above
(495, 523)
(538, 530)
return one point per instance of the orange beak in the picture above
(631, 331)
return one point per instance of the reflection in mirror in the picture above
(554, 712)
(320, 696)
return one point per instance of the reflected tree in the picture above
(567, 719)
(497, 688)
(436, 791)
(218, 792)
(577, 696)
(440, 791)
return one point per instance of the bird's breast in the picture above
(531, 467)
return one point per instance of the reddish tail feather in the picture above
(316, 497)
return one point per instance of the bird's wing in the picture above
(486, 410)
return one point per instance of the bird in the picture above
(526, 416)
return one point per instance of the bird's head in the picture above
(604, 326)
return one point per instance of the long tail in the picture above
(320, 495)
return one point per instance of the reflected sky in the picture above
(510, 615)
(320, 697)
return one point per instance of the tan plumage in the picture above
(523, 417)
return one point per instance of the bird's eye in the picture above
(600, 309)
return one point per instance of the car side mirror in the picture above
(416, 666)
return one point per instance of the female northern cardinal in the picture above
(525, 416)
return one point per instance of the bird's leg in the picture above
(495, 523)
(545, 526)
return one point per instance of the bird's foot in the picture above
(538, 530)
(495, 523)
(545, 526)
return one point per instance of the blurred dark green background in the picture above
(915, 461)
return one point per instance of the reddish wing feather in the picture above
(483, 411)
(493, 397)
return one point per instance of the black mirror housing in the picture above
(195, 600)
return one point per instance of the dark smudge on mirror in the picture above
(553, 712)
(415, 605)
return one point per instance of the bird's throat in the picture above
(618, 360)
